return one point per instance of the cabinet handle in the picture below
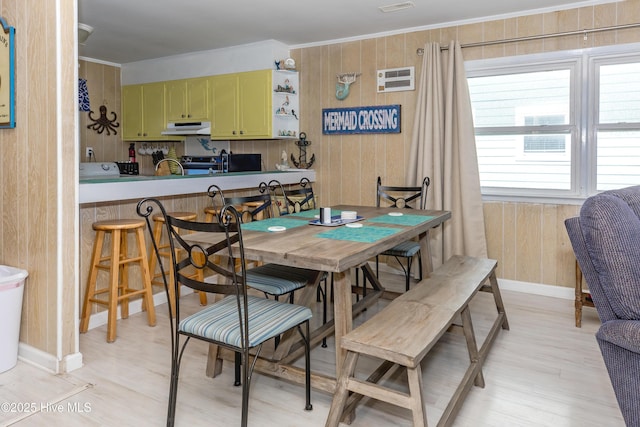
(139, 134)
(241, 132)
(182, 115)
(188, 115)
(234, 132)
(145, 134)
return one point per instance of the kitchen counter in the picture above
(138, 186)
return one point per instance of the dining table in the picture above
(300, 240)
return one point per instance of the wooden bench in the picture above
(404, 332)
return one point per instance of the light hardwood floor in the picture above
(543, 372)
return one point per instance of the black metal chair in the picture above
(295, 199)
(252, 208)
(271, 279)
(408, 197)
(239, 322)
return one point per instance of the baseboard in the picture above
(99, 319)
(562, 292)
(537, 289)
(47, 361)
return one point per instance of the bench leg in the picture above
(341, 394)
(472, 346)
(497, 298)
(414, 376)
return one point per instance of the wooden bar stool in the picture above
(211, 214)
(116, 263)
(163, 249)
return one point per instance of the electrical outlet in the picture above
(89, 153)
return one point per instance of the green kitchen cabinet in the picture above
(242, 105)
(188, 99)
(143, 113)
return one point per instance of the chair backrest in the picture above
(253, 207)
(189, 256)
(295, 198)
(403, 197)
(217, 199)
(606, 242)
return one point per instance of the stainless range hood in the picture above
(188, 128)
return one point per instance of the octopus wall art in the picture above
(103, 122)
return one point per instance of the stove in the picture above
(203, 165)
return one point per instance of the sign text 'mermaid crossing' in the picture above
(376, 119)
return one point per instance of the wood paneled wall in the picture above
(38, 209)
(529, 240)
(103, 84)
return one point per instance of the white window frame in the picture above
(583, 64)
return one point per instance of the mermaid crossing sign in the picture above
(375, 119)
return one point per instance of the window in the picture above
(617, 127)
(565, 124)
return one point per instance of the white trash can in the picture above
(11, 290)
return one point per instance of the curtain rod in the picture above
(420, 51)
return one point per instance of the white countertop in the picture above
(136, 187)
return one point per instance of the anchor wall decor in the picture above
(344, 81)
(302, 143)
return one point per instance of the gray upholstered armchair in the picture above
(606, 242)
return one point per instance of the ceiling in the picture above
(134, 30)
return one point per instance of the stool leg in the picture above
(153, 259)
(124, 276)
(147, 296)
(91, 281)
(113, 286)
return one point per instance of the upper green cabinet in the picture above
(252, 105)
(143, 112)
(188, 99)
(241, 105)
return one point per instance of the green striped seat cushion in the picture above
(267, 319)
(274, 279)
(404, 249)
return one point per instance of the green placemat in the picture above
(404, 219)
(270, 222)
(366, 234)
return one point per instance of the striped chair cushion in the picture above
(274, 279)
(404, 249)
(267, 319)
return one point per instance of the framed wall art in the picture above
(7, 76)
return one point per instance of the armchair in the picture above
(606, 242)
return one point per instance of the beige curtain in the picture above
(443, 147)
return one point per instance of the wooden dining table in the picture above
(330, 249)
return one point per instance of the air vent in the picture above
(396, 79)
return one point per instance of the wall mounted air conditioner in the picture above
(396, 79)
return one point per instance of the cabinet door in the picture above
(198, 99)
(131, 112)
(224, 114)
(153, 109)
(176, 105)
(255, 103)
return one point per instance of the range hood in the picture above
(188, 128)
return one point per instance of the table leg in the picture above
(342, 314)
(425, 254)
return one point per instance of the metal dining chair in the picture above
(239, 322)
(271, 279)
(408, 197)
(295, 199)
